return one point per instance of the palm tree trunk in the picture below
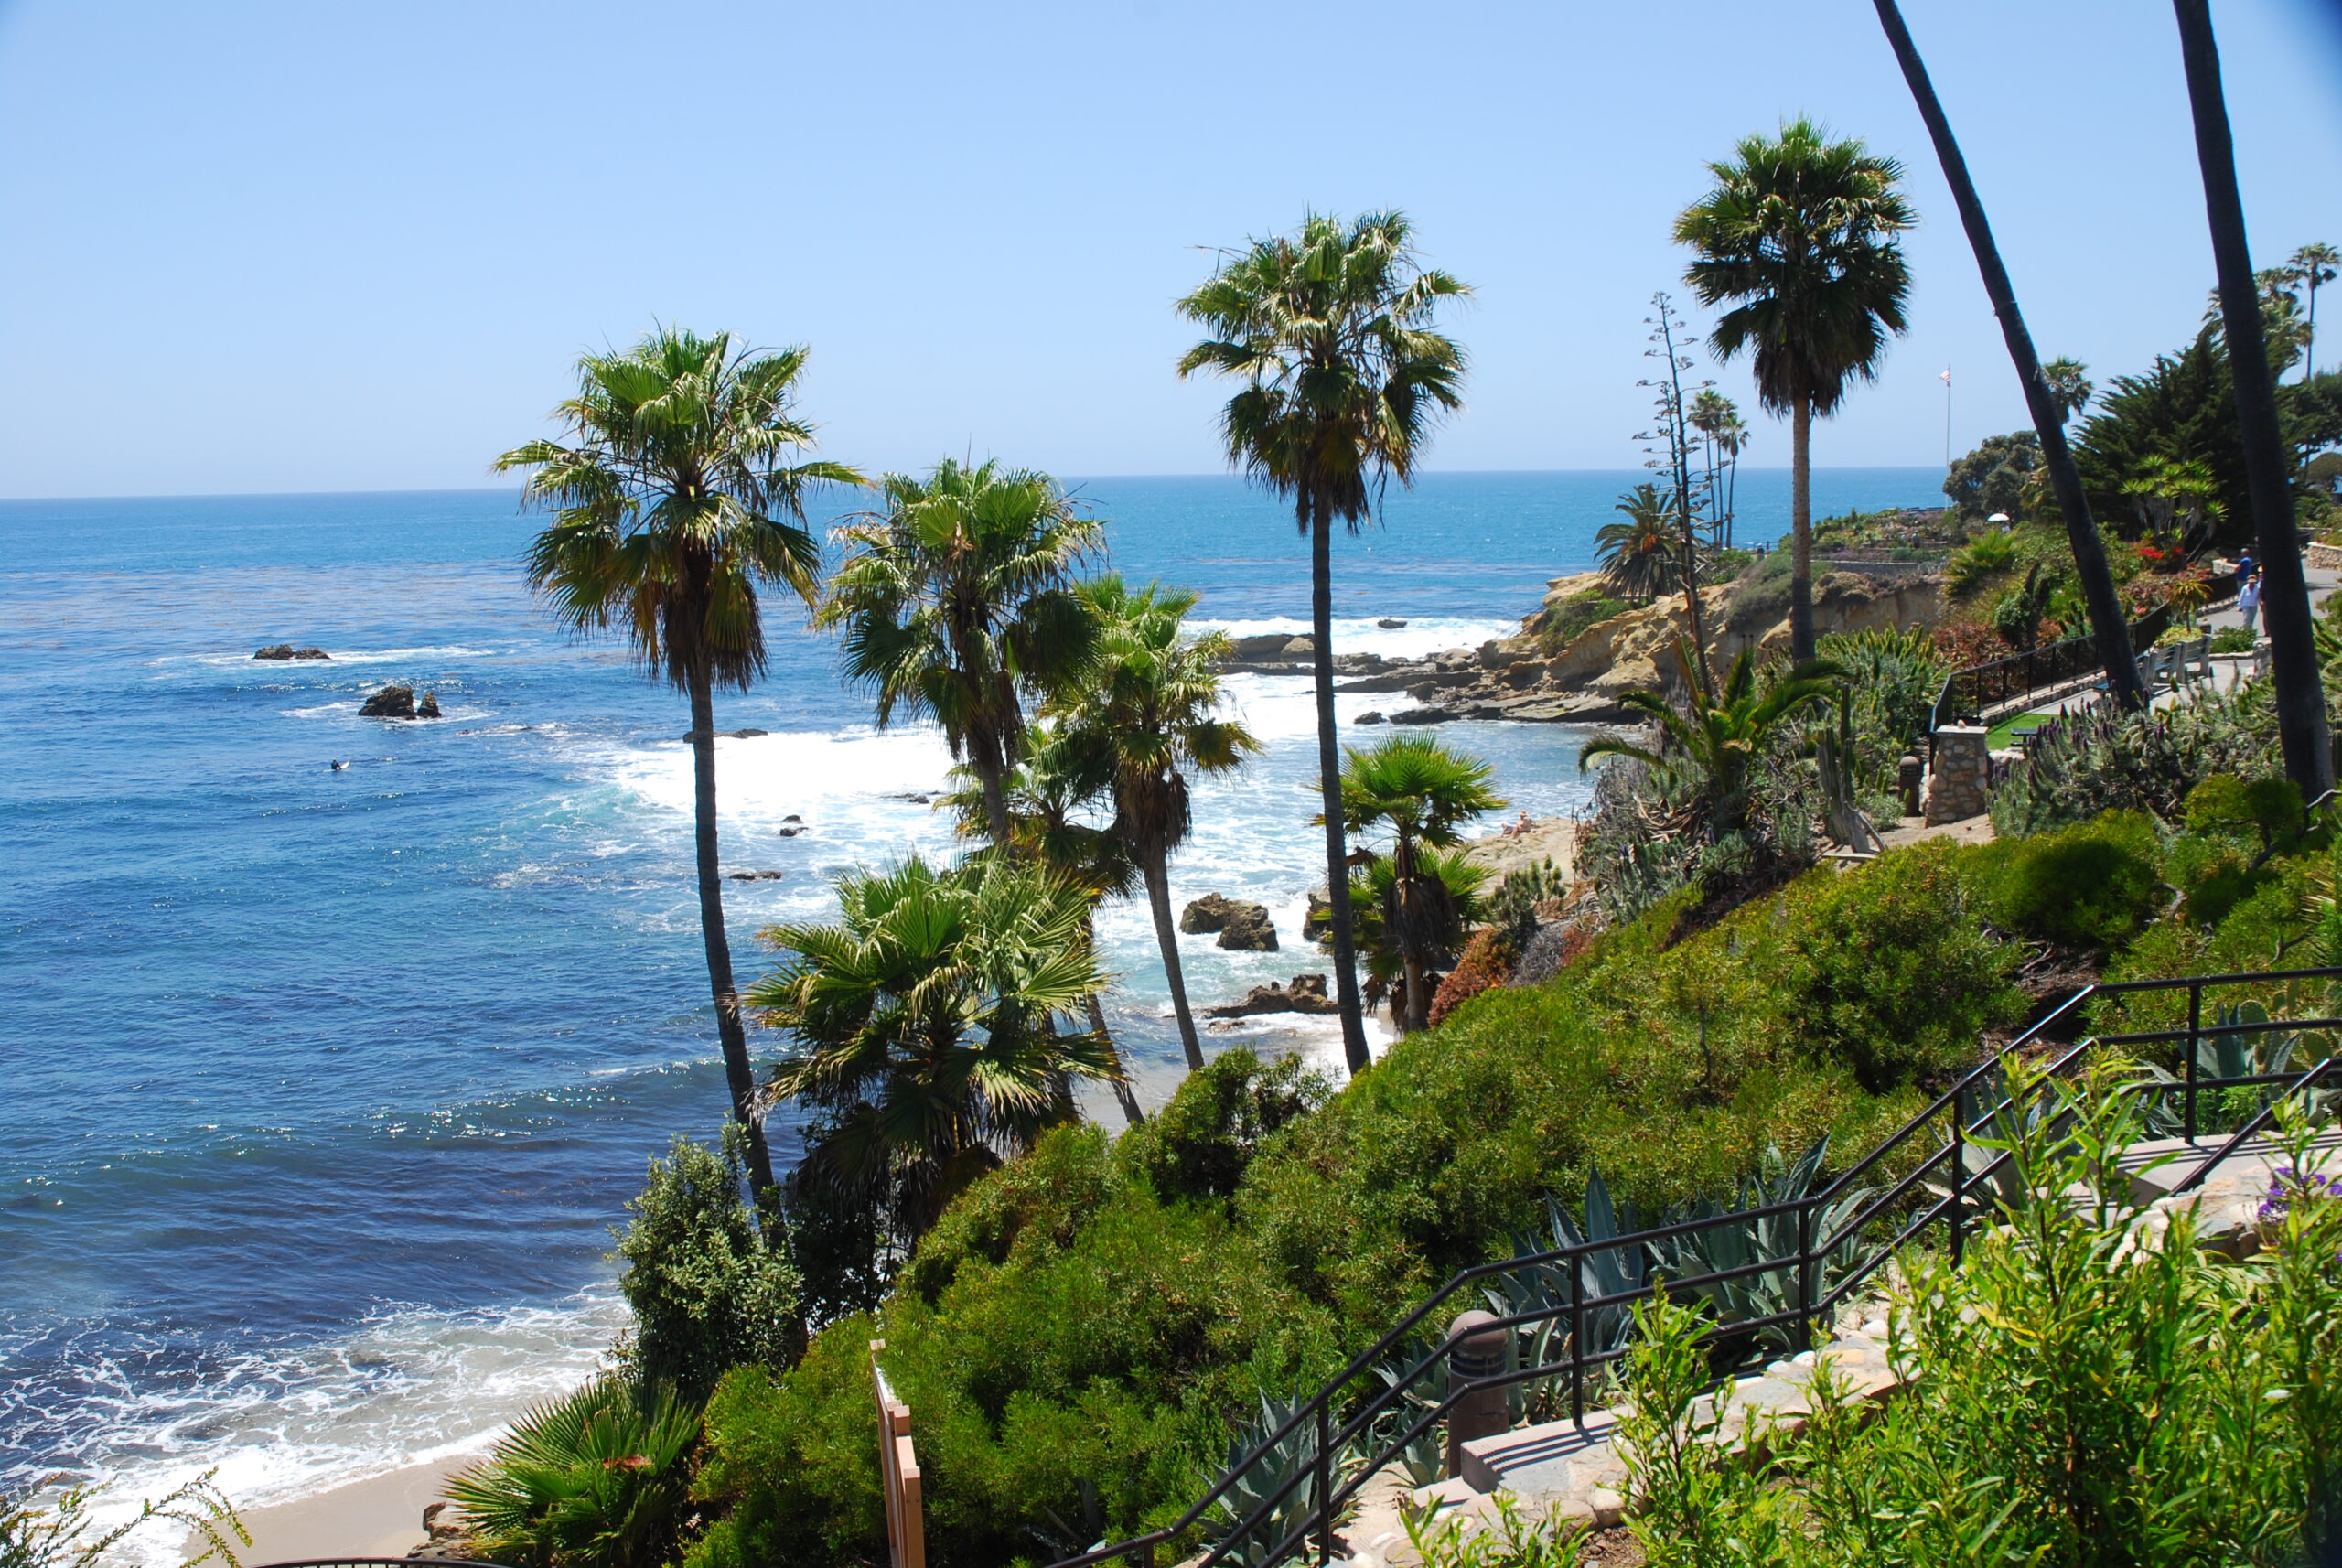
(2285, 593)
(1166, 937)
(2108, 623)
(1338, 920)
(1801, 530)
(1123, 1095)
(738, 1073)
(990, 775)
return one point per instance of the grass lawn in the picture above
(2011, 729)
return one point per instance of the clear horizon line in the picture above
(1070, 478)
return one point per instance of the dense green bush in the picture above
(2084, 1392)
(1078, 1331)
(709, 1291)
(2104, 760)
(2088, 886)
(1562, 624)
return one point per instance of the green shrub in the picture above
(2082, 1391)
(2103, 760)
(2232, 640)
(59, 1535)
(2090, 886)
(1988, 553)
(1563, 624)
(708, 1291)
(597, 1478)
(1201, 1143)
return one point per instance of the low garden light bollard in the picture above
(1474, 1351)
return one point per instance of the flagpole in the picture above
(1947, 420)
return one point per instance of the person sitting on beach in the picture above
(1519, 829)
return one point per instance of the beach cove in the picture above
(325, 1086)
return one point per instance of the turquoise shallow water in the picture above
(319, 1090)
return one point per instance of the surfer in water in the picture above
(338, 767)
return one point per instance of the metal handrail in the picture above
(1962, 696)
(1962, 1126)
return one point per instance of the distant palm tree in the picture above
(1418, 791)
(1048, 793)
(1799, 236)
(2070, 386)
(673, 500)
(1149, 715)
(2315, 265)
(958, 602)
(2302, 730)
(1639, 556)
(2109, 624)
(1721, 430)
(1721, 737)
(1330, 330)
(924, 1027)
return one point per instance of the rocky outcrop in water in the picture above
(285, 651)
(1248, 931)
(1205, 915)
(1306, 996)
(389, 703)
(428, 708)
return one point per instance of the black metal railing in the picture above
(1946, 1186)
(1968, 694)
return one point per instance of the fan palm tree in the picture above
(924, 1025)
(1047, 794)
(958, 602)
(1149, 715)
(600, 1475)
(1721, 737)
(1722, 432)
(1416, 791)
(2315, 265)
(1330, 330)
(1437, 923)
(1800, 237)
(2108, 624)
(2284, 596)
(1639, 555)
(2070, 386)
(675, 502)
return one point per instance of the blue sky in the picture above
(274, 246)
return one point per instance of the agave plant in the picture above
(1997, 1119)
(2226, 1056)
(1771, 1240)
(1257, 1476)
(597, 1478)
(1546, 1288)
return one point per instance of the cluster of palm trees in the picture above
(928, 1023)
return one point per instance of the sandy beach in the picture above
(381, 1516)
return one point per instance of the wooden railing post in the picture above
(898, 1472)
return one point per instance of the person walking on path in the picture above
(2248, 601)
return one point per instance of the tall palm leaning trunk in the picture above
(1157, 873)
(738, 1076)
(2284, 596)
(1801, 639)
(2109, 625)
(1341, 924)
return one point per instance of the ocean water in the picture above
(320, 1091)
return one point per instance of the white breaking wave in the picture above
(1432, 634)
(411, 1386)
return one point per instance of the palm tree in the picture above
(925, 1027)
(1417, 790)
(1047, 794)
(1801, 233)
(2070, 386)
(1330, 330)
(1149, 713)
(1637, 555)
(1454, 884)
(2284, 596)
(958, 602)
(1720, 427)
(2109, 624)
(1721, 737)
(673, 502)
(2314, 265)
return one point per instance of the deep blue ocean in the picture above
(319, 1091)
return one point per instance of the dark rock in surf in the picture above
(1308, 995)
(756, 876)
(1388, 624)
(1319, 919)
(1372, 716)
(1248, 929)
(429, 707)
(1205, 915)
(389, 703)
(285, 651)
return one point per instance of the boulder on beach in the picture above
(429, 707)
(1308, 995)
(284, 651)
(1261, 644)
(1248, 929)
(1301, 648)
(389, 703)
